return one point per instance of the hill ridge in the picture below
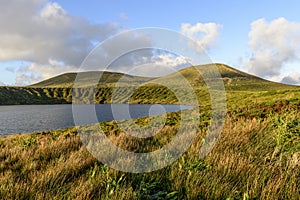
(67, 79)
(107, 77)
(60, 89)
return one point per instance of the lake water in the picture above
(36, 118)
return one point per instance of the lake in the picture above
(37, 118)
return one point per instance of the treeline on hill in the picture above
(26, 95)
(29, 95)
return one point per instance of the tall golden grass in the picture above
(256, 157)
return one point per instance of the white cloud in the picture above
(293, 79)
(160, 65)
(170, 60)
(142, 62)
(2, 84)
(274, 44)
(205, 34)
(115, 48)
(54, 11)
(37, 31)
(47, 32)
(33, 73)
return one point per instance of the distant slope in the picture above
(237, 80)
(233, 79)
(107, 79)
(64, 80)
(27, 95)
(59, 89)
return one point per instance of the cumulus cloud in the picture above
(39, 31)
(34, 72)
(170, 60)
(161, 64)
(205, 34)
(274, 44)
(292, 79)
(142, 61)
(112, 52)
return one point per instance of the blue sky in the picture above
(259, 37)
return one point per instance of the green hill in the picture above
(233, 79)
(107, 79)
(59, 89)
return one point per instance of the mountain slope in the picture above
(107, 79)
(239, 85)
(233, 79)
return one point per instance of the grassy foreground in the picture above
(256, 157)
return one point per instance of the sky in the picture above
(44, 38)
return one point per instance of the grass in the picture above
(256, 157)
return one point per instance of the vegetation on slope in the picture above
(106, 79)
(256, 157)
(59, 89)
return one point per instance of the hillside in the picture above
(59, 89)
(108, 79)
(233, 79)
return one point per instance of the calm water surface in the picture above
(35, 118)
